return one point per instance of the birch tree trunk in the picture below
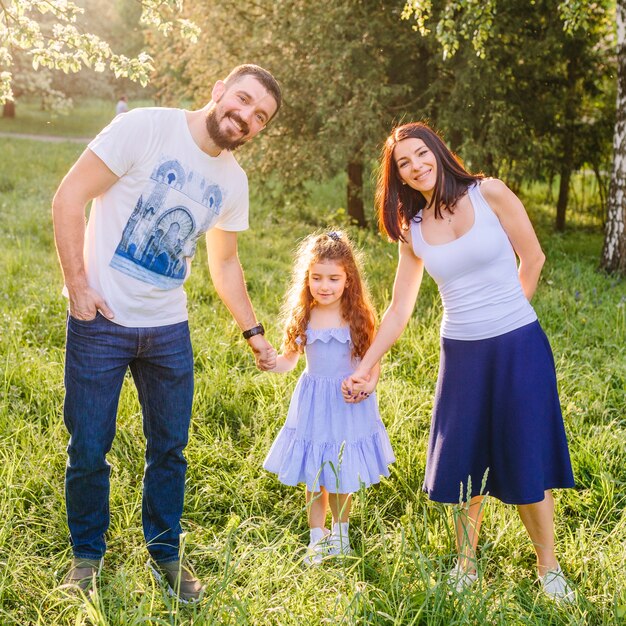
(614, 250)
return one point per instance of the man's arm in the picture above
(227, 277)
(88, 178)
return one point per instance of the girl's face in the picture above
(327, 282)
(416, 165)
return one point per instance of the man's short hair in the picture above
(262, 75)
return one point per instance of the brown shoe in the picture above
(179, 578)
(83, 573)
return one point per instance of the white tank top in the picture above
(477, 277)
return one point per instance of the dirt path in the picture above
(49, 138)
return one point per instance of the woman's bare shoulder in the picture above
(494, 187)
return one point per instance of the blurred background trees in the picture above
(521, 89)
(570, 106)
(516, 92)
(44, 42)
(347, 70)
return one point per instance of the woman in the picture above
(497, 427)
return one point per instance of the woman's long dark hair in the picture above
(397, 204)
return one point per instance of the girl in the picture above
(496, 410)
(331, 446)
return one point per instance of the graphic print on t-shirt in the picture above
(169, 217)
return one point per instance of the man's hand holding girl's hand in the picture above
(264, 353)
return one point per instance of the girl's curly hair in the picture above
(356, 306)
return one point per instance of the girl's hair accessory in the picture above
(333, 234)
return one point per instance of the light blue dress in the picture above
(325, 441)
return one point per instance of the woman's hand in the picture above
(357, 387)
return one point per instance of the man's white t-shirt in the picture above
(142, 232)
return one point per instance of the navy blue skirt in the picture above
(497, 414)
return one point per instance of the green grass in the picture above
(84, 120)
(245, 532)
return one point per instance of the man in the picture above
(121, 106)
(159, 178)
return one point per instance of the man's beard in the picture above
(221, 139)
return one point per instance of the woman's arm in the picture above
(405, 289)
(374, 376)
(514, 219)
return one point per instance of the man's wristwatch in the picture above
(255, 330)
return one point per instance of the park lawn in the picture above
(83, 121)
(244, 531)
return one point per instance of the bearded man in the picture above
(159, 178)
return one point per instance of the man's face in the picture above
(239, 112)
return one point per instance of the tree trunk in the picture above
(614, 249)
(8, 110)
(550, 195)
(602, 191)
(568, 136)
(561, 204)
(355, 193)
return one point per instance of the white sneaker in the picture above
(318, 546)
(339, 546)
(460, 579)
(339, 541)
(555, 585)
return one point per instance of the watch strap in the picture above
(255, 330)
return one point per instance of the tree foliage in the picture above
(531, 91)
(520, 88)
(523, 89)
(115, 22)
(347, 71)
(458, 20)
(47, 34)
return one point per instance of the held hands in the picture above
(85, 304)
(357, 387)
(264, 354)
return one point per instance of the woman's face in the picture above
(416, 165)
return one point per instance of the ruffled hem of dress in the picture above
(363, 462)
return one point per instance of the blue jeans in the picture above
(161, 362)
